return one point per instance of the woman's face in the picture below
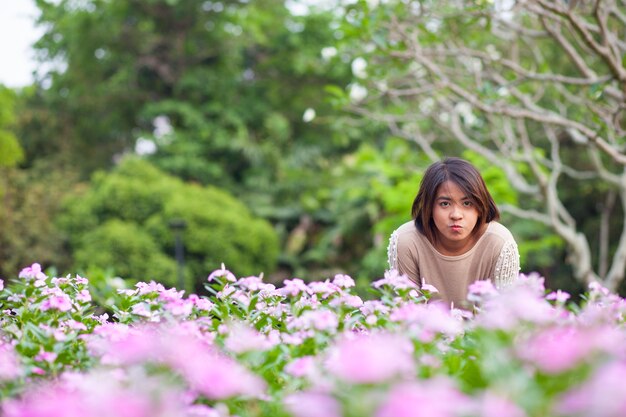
(455, 216)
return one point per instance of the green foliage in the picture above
(232, 83)
(31, 201)
(122, 220)
(373, 192)
(429, 63)
(11, 152)
(128, 248)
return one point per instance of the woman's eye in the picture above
(467, 203)
(444, 204)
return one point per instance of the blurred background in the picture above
(157, 139)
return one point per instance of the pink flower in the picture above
(226, 291)
(142, 309)
(431, 289)
(44, 356)
(493, 405)
(534, 281)
(171, 295)
(60, 281)
(201, 303)
(59, 301)
(218, 377)
(9, 363)
(98, 394)
(352, 301)
(325, 288)
(180, 308)
(201, 410)
(222, 273)
(83, 296)
(393, 279)
(372, 306)
(33, 271)
(432, 318)
(80, 280)
(251, 283)
(373, 358)
(520, 302)
(1, 284)
(37, 370)
(596, 288)
(602, 395)
(75, 325)
(293, 287)
(242, 297)
(323, 320)
(209, 373)
(313, 404)
(293, 339)
(242, 338)
(559, 296)
(343, 281)
(49, 403)
(102, 319)
(301, 367)
(149, 287)
(559, 349)
(481, 290)
(430, 398)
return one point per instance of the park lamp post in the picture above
(177, 226)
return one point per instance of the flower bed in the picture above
(308, 350)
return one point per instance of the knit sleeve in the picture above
(392, 250)
(507, 265)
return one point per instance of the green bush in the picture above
(132, 251)
(122, 221)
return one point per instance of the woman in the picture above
(454, 238)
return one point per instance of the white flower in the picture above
(309, 115)
(503, 92)
(493, 52)
(162, 126)
(329, 52)
(464, 109)
(145, 147)
(475, 64)
(426, 105)
(359, 66)
(433, 25)
(357, 92)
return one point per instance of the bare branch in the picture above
(516, 180)
(613, 62)
(603, 239)
(418, 138)
(618, 266)
(526, 214)
(570, 51)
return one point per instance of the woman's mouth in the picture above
(456, 227)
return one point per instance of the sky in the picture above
(17, 34)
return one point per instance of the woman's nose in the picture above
(455, 213)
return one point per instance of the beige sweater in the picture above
(494, 257)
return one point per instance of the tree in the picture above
(217, 90)
(11, 152)
(537, 87)
(122, 221)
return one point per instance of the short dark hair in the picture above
(466, 177)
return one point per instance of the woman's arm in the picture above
(401, 258)
(507, 265)
(392, 250)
